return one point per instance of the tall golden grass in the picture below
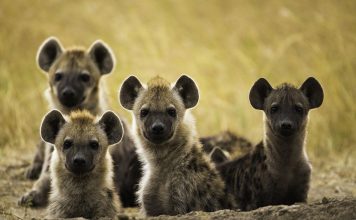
(224, 45)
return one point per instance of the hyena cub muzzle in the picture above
(277, 171)
(177, 176)
(74, 77)
(81, 167)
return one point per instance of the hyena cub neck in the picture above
(81, 167)
(277, 171)
(178, 177)
(74, 75)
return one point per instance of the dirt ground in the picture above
(332, 196)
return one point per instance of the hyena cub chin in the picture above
(178, 177)
(81, 167)
(277, 171)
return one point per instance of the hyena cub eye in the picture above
(299, 109)
(67, 144)
(58, 77)
(94, 145)
(172, 112)
(84, 77)
(274, 108)
(144, 112)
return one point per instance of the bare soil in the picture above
(332, 196)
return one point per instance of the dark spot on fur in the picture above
(109, 193)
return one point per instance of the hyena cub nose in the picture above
(81, 167)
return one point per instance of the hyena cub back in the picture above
(277, 171)
(81, 167)
(178, 177)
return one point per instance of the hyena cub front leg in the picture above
(178, 176)
(81, 166)
(38, 196)
(34, 171)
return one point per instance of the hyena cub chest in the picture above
(255, 182)
(190, 184)
(90, 205)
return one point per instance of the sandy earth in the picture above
(332, 196)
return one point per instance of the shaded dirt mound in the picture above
(326, 209)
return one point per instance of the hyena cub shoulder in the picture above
(277, 171)
(81, 167)
(74, 77)
(178, 177)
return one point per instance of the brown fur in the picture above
(177, 176)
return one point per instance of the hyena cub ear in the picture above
(259, 92)
(48, 52)
(312, 89)
(102, 56)
(51, 125)
(129, 91)
(112, 126)
(188, 91)
(218, 156)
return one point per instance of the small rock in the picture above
(325, 200)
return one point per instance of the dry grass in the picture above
(224, 45)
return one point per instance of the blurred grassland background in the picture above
(224, 45)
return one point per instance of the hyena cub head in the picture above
(80, 139)
(159, 108)
(286, 107)
(74, 74)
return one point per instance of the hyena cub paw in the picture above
(33, 198)
(34, 171)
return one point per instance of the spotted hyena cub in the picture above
(178, 177)
(81, 167)
(277, 171)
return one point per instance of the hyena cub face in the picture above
(81, 142)
(75, 73)
(286, 107)
(159, 108)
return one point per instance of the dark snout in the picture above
(158, 128)
(158, 132)
(79, 164)
(286, 128)
(69, 97)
